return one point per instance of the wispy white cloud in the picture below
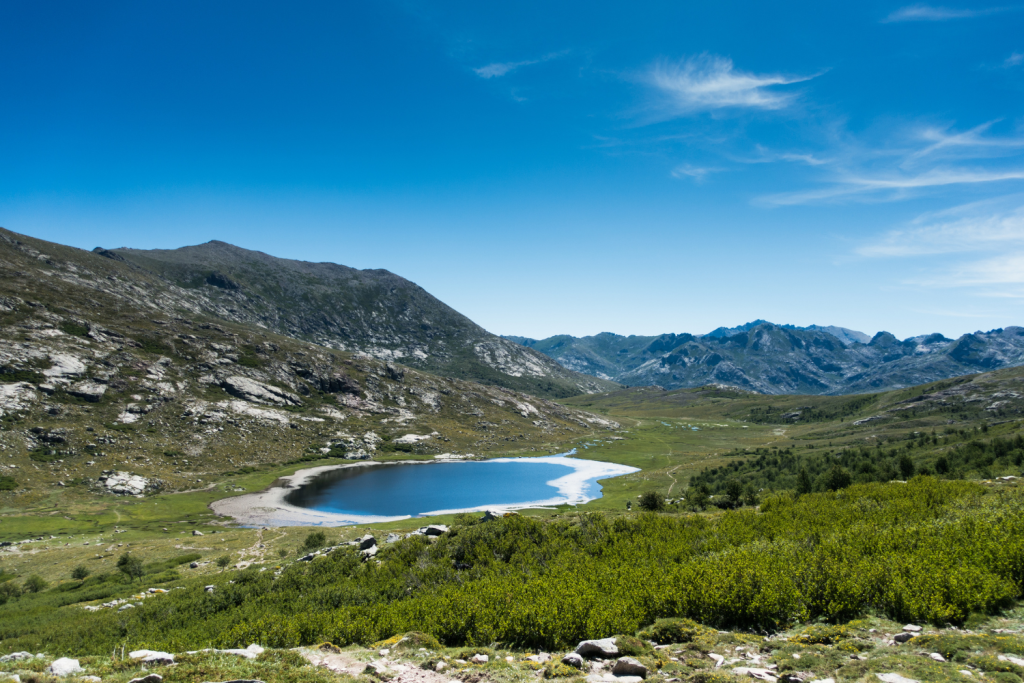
(709, 82)
(979, 246)
(697, 173)
(891, 186)
(972, 140)
(1005, 269)
(499, 69)
(1013, 60)
(766, 156)
(970, 228)
(921, 12)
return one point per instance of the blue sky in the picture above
(546, 168)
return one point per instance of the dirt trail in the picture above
(343, 663)
(674, 482)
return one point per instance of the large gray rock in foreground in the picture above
(604, 648)
(627, 666)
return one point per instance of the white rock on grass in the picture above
(937, 657)
(65, 667)
(895, 678)
(480, 659)
(152, 656)
(16, 657)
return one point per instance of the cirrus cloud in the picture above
(710, 82)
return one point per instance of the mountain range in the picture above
(783, 359)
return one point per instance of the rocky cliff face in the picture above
(776, 359)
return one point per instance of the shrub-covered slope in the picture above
(927, 551)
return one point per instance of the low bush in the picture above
(665, 631)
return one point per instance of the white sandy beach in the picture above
(268, 508)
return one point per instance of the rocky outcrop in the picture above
(258, 392)
(90, 391)
(124, 483)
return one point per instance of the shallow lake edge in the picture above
(268, 508)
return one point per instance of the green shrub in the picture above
(651, 501)
(314, 541)
(154, 345)
(823, 634)
(223, 561)
(35, 584)
(7, 483)
(991, 664)
(666, 631)
(412, 641)
(74, 329)
(555, 669)
(630, 646)
(81, 572)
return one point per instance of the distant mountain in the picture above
(843, 334)
(371, 311)
(784, 359)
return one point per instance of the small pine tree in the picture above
(223, 561)
(734, 493)
(906, 466)
(803, 482)
(80, 572)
